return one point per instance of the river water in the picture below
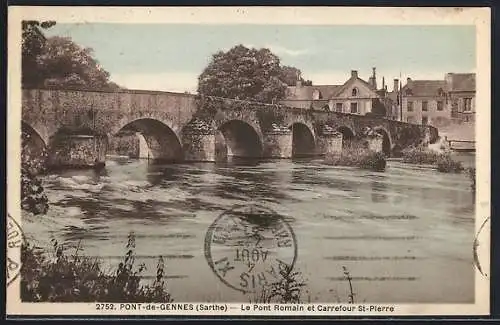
(404, 235)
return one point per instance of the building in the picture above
(355, 96)
(436, 102)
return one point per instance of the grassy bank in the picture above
(443, 161)
(357, 157)
(58, 277)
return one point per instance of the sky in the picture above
(170, 57)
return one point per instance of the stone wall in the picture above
(278, 144)
(329, 143)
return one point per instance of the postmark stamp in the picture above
(14, 238)
(248, 247)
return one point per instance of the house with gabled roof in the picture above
(355, 96)
(438, 102)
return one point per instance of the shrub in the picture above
(358, 157)
(81, 279)
(420, 155)
(288, 290)
(446, 164)
(472, 176)
(33, 197)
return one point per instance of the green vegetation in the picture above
(287, 290)
(443, 161)
(446, 164)
(247, 74)
(81, 279)
(58, 62)
(356, 156)
(472, 177)
(420, 155)
(33, 197)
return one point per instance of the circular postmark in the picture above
(249, 247)
(14, 238)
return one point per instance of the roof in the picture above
(462, 81)
(426, 88)
(306, 92)
(349, 81)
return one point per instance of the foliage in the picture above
(290, 75)
(420, 155)
(58, 62)
(81, 279)
(33, 197)
(33, 42)
(442, 160)
(347, 274)
(446, 164)
(358, 156)
(288, 290)
(247, 74)
(472, 176)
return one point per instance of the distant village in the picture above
(448, 104)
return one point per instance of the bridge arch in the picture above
(240, 139)
(303, 140)
(348, 135)
(386, 140)
(156, 138)
(34, 147)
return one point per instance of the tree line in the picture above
(239, 73)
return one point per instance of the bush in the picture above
(288, 290)
(81, 279)
(33, 197)
(358, 157)
(420, 155)
(446, 164)
(472, 176)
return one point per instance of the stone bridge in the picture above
(83, 125)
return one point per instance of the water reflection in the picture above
(378, 191)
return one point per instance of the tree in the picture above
(58, 62)
(243, 73)
(66, 64)
(290, 75)
(33, 42)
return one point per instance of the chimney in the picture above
(373, 79)
(354, 73)
(396, 85)
(299, 80)
(408, 81)
(383, 83)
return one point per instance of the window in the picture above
(440, 105)
(425, 120)
(467, 104)
(424, 106)
(338, 107)
(409, 106)
(454, 109)
(354, 92)
(354, 108)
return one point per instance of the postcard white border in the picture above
(480, 17)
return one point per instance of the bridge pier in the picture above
(198, 142)
(77, 151)
(278, 143)
(329, 143)
(375, 142)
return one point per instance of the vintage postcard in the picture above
(248, 161)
